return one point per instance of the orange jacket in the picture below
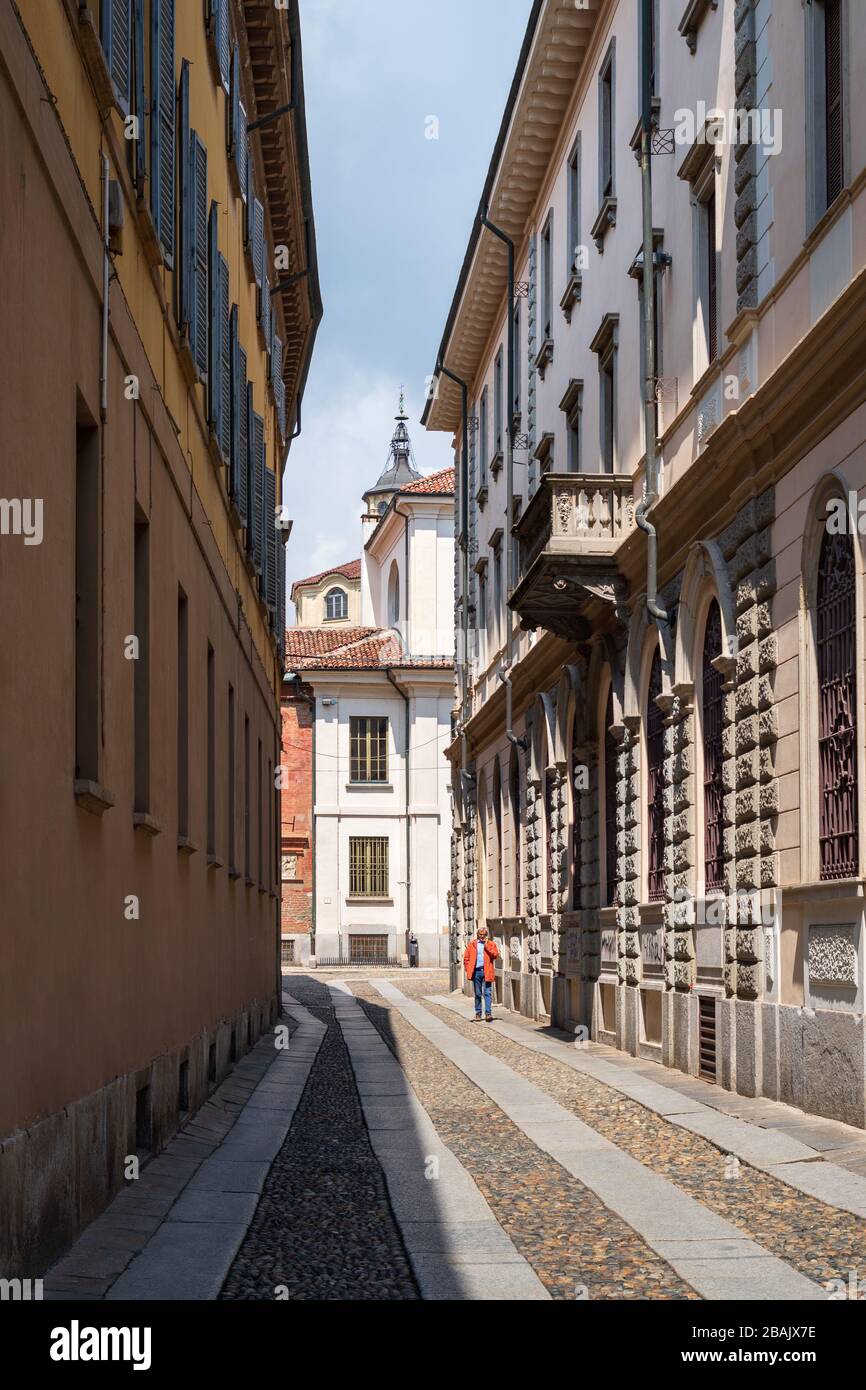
(470, 955)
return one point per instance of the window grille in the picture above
(714, 866)
(368, 866)
(837, 716)
(655, 751)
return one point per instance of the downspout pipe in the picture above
(442, 370)
(389, 672)
(505, 675)
(650, 483)
(106, 289)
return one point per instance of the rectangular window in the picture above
(574, 421)
(367, 948)
(607, 384)
(497, 403)
(515, 400)
(260, 818)
(497, 595)
(182, 715)
(833, 99)
(88, 604)
(247, 801)
(573, 238)
(483, 439)
(547, 280)
(606, 111)
(211, 751)
(141, 623)
(230, 751)
(368, 749)
(368, 866)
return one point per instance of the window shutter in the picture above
(223, 40)
(270, 541)
(116, 30)
(242, 458)
(257, 440)
(279, 384)
(225, 430)
(234, 105)
(251, 470)
(259, 241)
(162, 122)
(249, 219)
(214, 371)
(199, 255)
(140, 104)
(281, 598)
(833, 69)
(241, 155)
(234, 403)
(186, 193)
(265, 315)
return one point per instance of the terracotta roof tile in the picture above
(441, 482)
(350, 570)
(351, 649)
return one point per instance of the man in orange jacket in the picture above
(478, 961)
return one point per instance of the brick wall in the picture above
(296, 798)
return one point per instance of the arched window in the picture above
(655, 757)
(516, 830)
(336, 604)
(497, 831)
(837, 707)
(711, 725)
(549, 787)
(611, 857)
(394, 596)
(577, 774)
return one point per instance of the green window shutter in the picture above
(116, 35)
(162, 106)
(199, 255)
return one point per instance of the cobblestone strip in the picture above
(457, 1248)
(816, 1239)
(324, 1228)
(577, 1247)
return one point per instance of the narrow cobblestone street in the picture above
(396, 1150)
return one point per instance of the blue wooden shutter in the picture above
(234, 106)
(279, 384)
(242, 457)
(186, 193)
(270, 546)
(251, 470)
(225, 418)
(258, 487)
(281, 597)
(265, 315)
(140, 103)
(258, 241)
(241, 154)
(199, 255)
(214, 372)
(116, 34)
(251, 198)
(162, 122)
(223, 40)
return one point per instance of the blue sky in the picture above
(393, 214)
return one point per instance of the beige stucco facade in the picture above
(761, 422)
(140, 730)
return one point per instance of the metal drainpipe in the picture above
(405, 698)
(650, 486)
(106, 285)
(505, 675)
(464, 547)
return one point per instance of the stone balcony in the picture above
(567, 541)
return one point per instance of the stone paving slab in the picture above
(175, 1233)
(652, 1205)
(404, 1138)
(774, 1140)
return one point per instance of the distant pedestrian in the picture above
(413, 952)
(478, 961)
